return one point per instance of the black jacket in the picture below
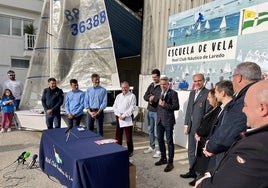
(52, 99)
(244, 165)
(152, 90)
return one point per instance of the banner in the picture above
(213, 38)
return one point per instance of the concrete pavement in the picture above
(147, 174)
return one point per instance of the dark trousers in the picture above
(161, 129)
(128, 132)
(74, 121)
(17, 104)
(99, 123)
(191, 151)
(56, 118)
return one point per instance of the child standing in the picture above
(7, 103)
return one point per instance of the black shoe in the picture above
(161, 162)
(169, 167)
(187, 175)
(192, 183)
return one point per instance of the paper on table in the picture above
(105, 141)
(127, 122)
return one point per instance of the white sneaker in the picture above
(149, 150)
(2, 130)
(9, 130)
(157, 154)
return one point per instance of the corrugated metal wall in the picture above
(155, 24)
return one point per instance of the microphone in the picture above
(25, 156)
(68, 129)
(32, 163)
(21, 156)
(162, 97)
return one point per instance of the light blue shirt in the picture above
(75, 102)
(96, 97)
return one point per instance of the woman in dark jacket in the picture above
(203, 132)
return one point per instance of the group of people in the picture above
(221, 150)
(10, 100)
(94, 101)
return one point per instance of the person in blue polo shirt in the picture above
(95, 103)
(74, 104)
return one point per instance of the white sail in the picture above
(188, 32)
(201, 70)
(207, 25)
(171, 34)
(239, 56)
(227, 68)
(198, 26)
(186, 70)
(79, 48)
(223, 23)
(171, 69)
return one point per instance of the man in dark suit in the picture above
(246, 162)
(196, 109)
(168, 103)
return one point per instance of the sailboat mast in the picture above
(50, 38)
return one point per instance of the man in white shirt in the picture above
(124, 106)
(15, 86)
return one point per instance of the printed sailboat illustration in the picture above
(171, 69)
(207, 25)
(223, 23)
(201, 70)
(186, 71)
(227, 68)
(239, 56)
(171, 34)
(198, 26)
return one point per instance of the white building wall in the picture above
(13, 46)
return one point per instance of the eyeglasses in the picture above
(235, 74)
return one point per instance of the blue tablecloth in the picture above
(81, 162)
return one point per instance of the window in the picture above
(13, 26)
(16, 27)
(20, 63)
(5, 25)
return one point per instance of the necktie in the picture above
(196, 94)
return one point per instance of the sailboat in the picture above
(239, 57)
(201, 70)
(207, 25)
(188, 31)
(227, 68)
(186, 71)
(198, 26)
(171, 69)
(171, 34)
(223, 23)
(65, 50)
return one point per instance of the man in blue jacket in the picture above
(234, 120)
(52, 99)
